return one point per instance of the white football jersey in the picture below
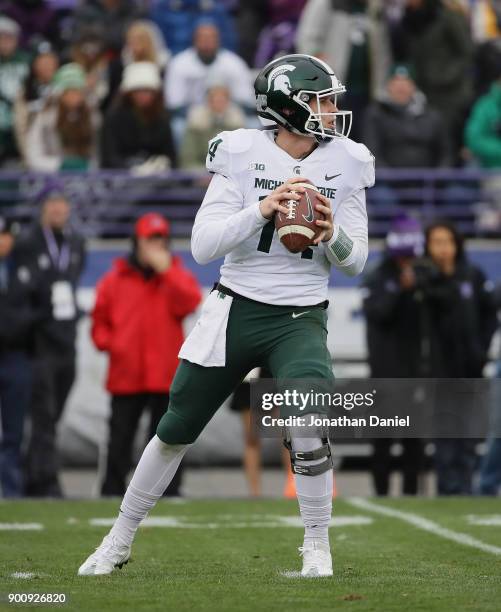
(247, 166)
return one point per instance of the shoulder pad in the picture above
(357, 150)
(361, 155)
(227, 152)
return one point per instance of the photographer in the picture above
(137, 320)
(395, 331)
(56, 251)
(462, 334)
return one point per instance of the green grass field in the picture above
(242, 555)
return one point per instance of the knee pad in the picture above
(321, 452)
(174, 430)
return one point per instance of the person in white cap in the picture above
(143, 43)
(136, 132)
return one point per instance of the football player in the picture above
(269, 307)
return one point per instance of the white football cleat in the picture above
(317, 560)
(110, 554)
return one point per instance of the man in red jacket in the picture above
(137, 320)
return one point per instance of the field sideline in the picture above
(399, 554)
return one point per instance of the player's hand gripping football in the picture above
(277, 198)
(275, 202)
(328, 223)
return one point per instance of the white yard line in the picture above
(336, 521)
(235, 521)
(22, 575)
(487, 520)
(21, 526)
(425, 524)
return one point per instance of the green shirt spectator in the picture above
(483, 129)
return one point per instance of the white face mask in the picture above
(341, 120)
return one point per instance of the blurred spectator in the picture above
(483, 139)
(395, 315)
(435, 39)
(136, 132)
(430, 317)
(468, 327)
(143, 43)
(485, 18)
(14, 67)
(278, 36)
(21, 307)
(63, 134)
(35, 92)
(485, 26)
(487, 62)
(111, 17)
(178, 20)
(191, 72)
(402, 131)
(64, 11)
(462, 336)
(394, 10)
(352, 37)
(483, 129)
(241, 403)
(490, 470)
(57, 252)
(137, 319)
(250, 20)
(207, 120)
(89, 53)
(35, 18)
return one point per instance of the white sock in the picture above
(155, 470)
(314, 495)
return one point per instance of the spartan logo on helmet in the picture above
(278, 79)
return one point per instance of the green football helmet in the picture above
(285, 87)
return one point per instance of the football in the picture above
(297, 229)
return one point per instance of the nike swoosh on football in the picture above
(329, 178)
(310, 217)
(299, 314)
